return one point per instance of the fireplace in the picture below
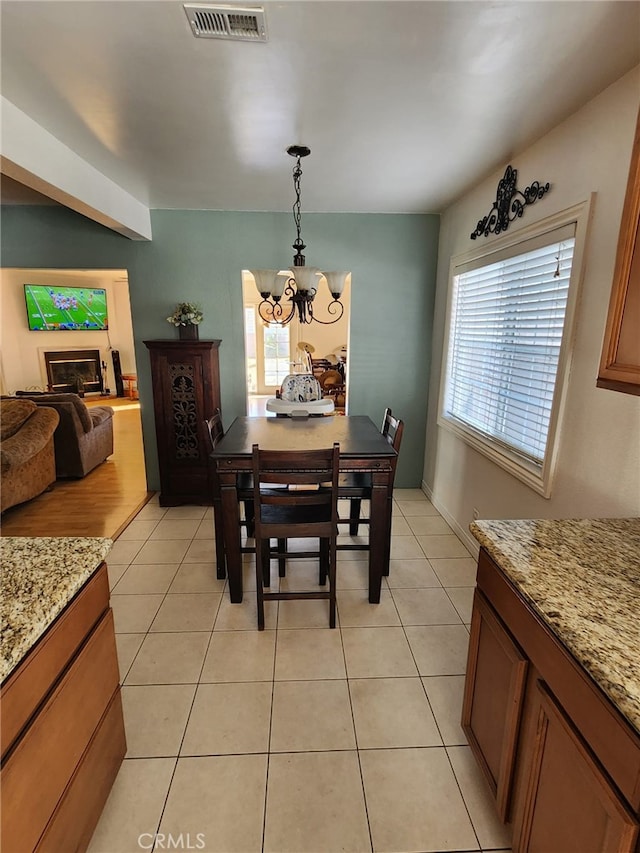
(74, 371)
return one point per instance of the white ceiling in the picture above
(405, 105)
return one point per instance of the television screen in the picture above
(57, 309)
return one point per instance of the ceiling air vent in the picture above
(243, 23)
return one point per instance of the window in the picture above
(277, 358)
(507, 333)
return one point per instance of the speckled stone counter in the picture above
(39, 576)
(583, 578)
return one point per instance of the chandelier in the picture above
(299, 285)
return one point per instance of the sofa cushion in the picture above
(78, 404)
(100, 414)
(13, 413)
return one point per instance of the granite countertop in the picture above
(583, 578)
(39, 576)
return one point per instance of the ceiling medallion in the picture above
(509, 204)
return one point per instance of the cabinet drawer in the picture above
(28, 685)
(44, 759)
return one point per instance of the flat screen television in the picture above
(63, 309)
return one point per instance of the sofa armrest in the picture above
(33, 436)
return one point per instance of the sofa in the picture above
(27, 461)
(84, 436)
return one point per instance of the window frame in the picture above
(537, 477)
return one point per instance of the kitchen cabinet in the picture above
(561, 759)
(186, 391)
(63, 736)
(620, 359)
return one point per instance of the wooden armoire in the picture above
(186, 391)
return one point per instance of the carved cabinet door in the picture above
(186, 391)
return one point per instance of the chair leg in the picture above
(249, 516)
(282, 561)
(265, 552)
(354, 516)
(332, 584)
(259, 579)
(221, 562)
(324, 561)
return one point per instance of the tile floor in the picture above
(299, 738)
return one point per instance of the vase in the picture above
(188, 333)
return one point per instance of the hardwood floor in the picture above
(100, 504)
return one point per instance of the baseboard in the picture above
(468, 540)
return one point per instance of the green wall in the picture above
(197, 256)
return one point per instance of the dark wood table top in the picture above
(358, 436)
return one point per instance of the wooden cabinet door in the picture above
(493, 698)
(570, 806)
(186, 391)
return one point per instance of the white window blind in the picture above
(505, 333)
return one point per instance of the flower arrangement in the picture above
(186, 314)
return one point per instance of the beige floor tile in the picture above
(410, 495)
(309, 653)
(134, 806)
(444, 693)
(412, 508)
(377, 652)
(175, 528)
(392, 712)
(300, 575)
(206, 529)
(169, 659)
(124, 551)
(187, 612)
(405, 548)
(140, 579)
(244, 616)
(240, 656)
(491, 833)
(439, 649)
(138, 529)
(181, 512)
(219, 801)
(155, 717)
(462, 598)
(304, 614)
(115, 572)
(356, 612)
(151, 512)
(229, 719)
(411, 574)
(133, 614)
(356, 553)
(248, 573)
(413, 801)
(128, 646)
(429, 525)
(424, 607)
(442, 546)
(455, 571)
(353, 574)
(400, 526)
(315, 803)
(311, 715)
(197, 577)
(162, 551)
(201, 551)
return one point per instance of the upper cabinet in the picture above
(620, 360)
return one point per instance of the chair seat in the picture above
(356, 483)
(295, 514)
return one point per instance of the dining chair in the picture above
(306, 509)
(215, 431)
(357, 487)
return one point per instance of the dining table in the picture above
(363, 449)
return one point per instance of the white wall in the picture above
(598, 472)
(22, 360)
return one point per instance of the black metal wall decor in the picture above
(509, 204)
